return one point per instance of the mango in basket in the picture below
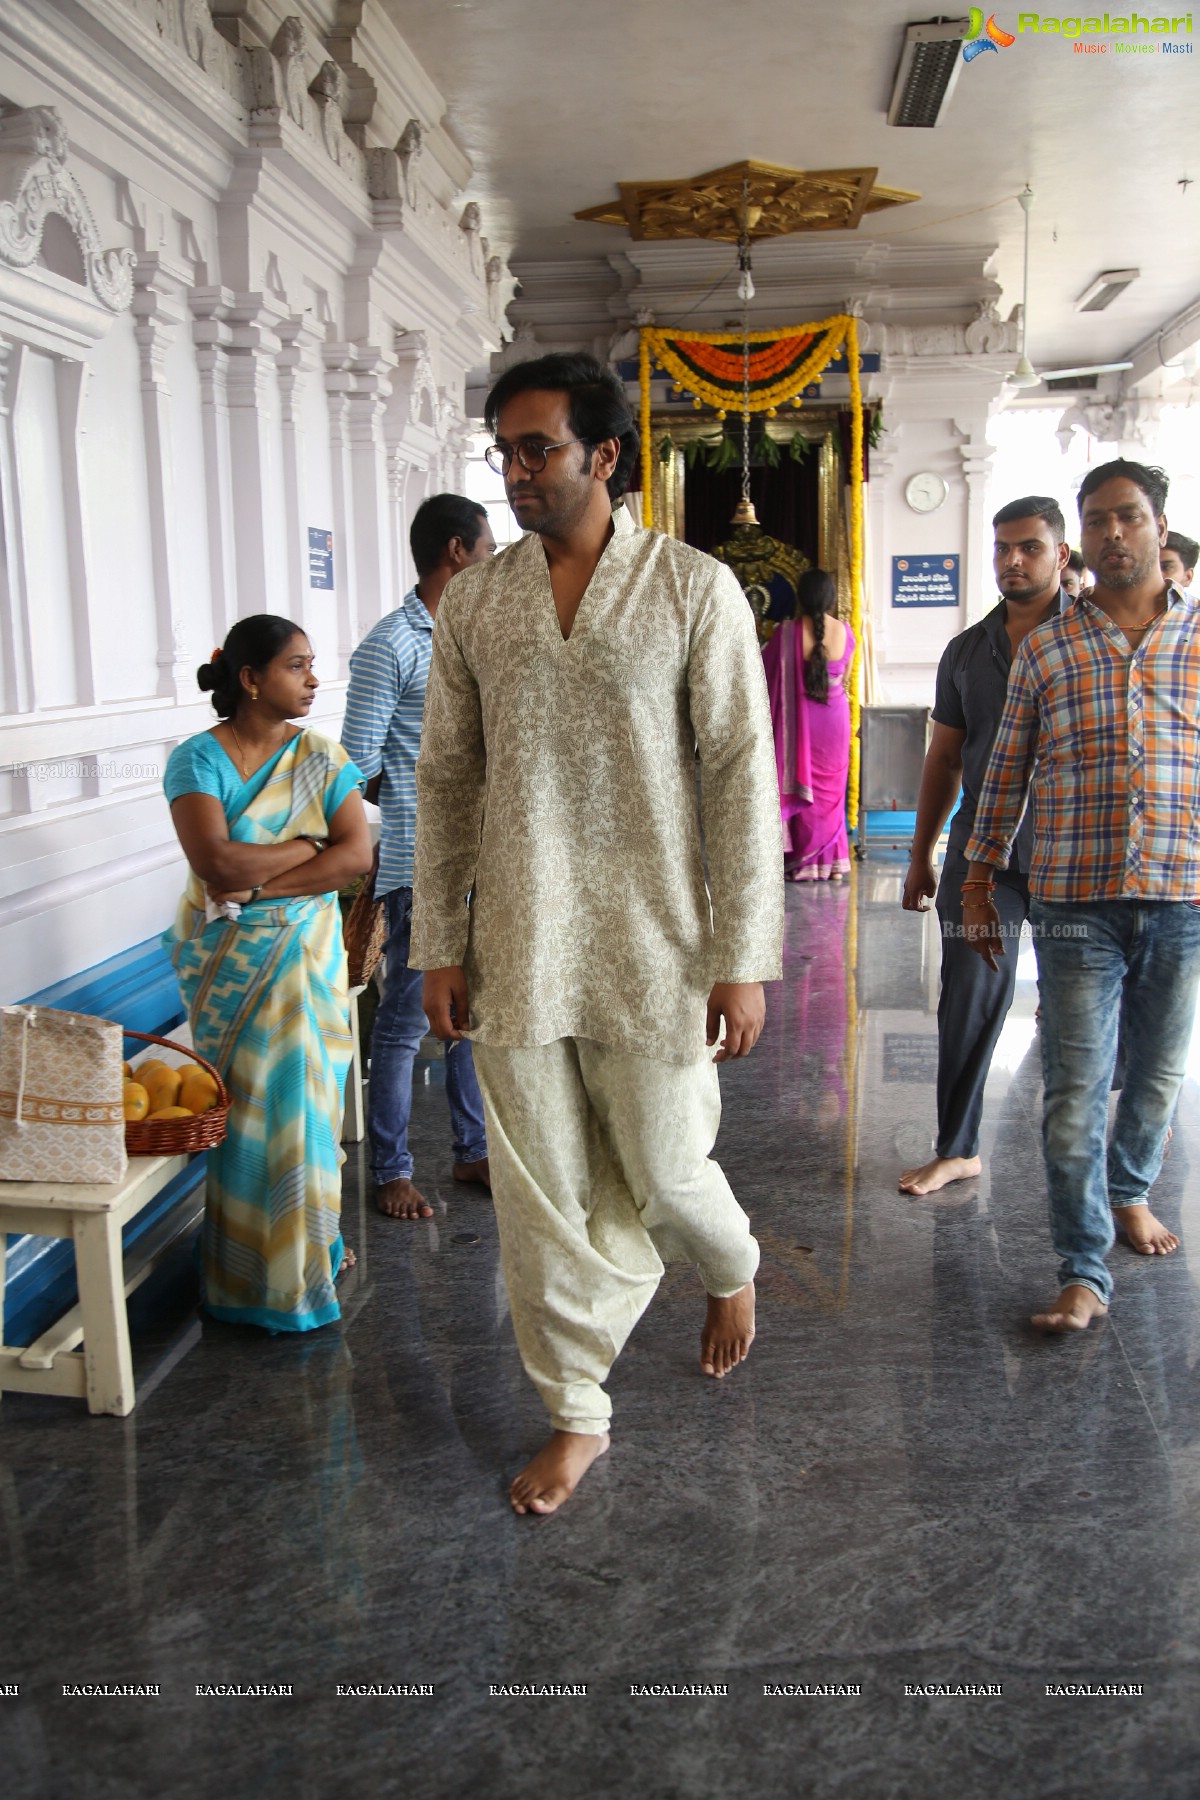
(198, 1091)
(136, 1100)
(163, 1086)
(170, 1112)
(128, 1070)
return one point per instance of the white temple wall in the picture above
(936, 424)
(240, 315)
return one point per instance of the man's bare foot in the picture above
(1074, 1310)
(477, 1172)
(556, 1471)
(728, 1332)
(399, 1199)
(939, 1174)
(1142, 1231)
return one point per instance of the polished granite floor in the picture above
(903, 1488)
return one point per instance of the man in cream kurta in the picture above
(557, 786)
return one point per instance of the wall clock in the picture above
(926, 492)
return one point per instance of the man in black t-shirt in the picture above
(1028, 556)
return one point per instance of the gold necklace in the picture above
(237, 740)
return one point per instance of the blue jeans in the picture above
(1116, 962)
(399, 1027)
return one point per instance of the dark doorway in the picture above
(785, 498)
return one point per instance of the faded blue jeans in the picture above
(1093, 961)
(396, 1037)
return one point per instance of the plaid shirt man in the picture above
(1103, 740)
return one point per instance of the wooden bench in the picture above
(79, 1250)
(93, 1216)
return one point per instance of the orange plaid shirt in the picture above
(1103, 743)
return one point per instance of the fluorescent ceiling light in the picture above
(1104, 290)
(929, 66)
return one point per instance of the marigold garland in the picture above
(776, 375)
(726, 365)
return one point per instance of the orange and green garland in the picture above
(782, 363)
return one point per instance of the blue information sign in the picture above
(924, 581)
(320, 557)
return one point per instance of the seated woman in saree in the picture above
(271, 821)
(807, 662)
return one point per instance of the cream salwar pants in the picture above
(601, 1172)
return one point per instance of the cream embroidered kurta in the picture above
(556, 785)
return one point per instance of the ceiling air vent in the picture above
(1104, 290)
(928, 70)
(1073, 384)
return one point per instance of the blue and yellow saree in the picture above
(267, 1000)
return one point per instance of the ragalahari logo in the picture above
(980, 37)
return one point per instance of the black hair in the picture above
(252, 643)
(816, 595)
(596, 396)
(1075, 561)
(1034, 506)
(1153, 482)
(436, 521)
(1185, 548)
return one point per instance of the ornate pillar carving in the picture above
(294, 365)
(16, 668)
(339, 385)
(976, 454)
(371, 528)
(251, 395)
(159, 307)
(211, 336)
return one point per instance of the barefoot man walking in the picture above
(1099, 733)
(1028, 555)
(578, 684)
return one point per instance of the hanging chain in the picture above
(746, 290)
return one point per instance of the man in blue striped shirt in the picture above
(382, 732)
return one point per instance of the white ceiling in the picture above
(555, 101)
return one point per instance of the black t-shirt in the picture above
(972, 683)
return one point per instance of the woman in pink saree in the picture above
(807, 661)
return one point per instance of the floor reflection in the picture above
(903, 1486)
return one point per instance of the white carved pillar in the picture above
(339, 382)
(294, 363)
(879, 545)
(211, 336)
(978, 589)
(71, 379)
(372, 531)
(250, 346)
(160, 309)
(16, 670)
(398, 511)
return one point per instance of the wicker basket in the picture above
(176, 1137)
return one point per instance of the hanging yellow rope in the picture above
(780, 371)
(854, 686)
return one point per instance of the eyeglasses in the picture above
(532, 457)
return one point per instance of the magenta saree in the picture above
(812, 757)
